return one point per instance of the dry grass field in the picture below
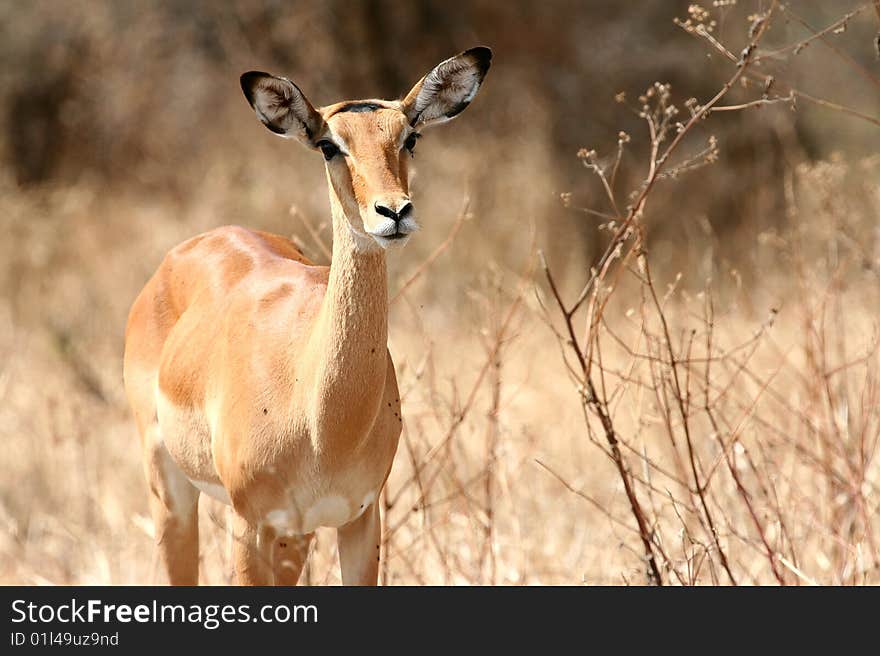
(637, 339)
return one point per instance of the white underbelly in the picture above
(330, 510)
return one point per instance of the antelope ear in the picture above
(448, 89)
(282, 107)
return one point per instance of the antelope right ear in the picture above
(282, 107)
(448, 88)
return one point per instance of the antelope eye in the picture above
(410, 143)
(328, 148)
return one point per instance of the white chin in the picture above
(391, 244)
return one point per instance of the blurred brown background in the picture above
(123, 131)
(143, 96)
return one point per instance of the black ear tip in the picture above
(483, 52)
(482, 55)
(248, 80)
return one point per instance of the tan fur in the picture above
(254, 372)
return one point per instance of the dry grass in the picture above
(716, 425)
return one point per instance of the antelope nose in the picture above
(404, 211)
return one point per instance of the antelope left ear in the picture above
(282, 107)
(448, 89)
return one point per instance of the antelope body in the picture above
(265, 381)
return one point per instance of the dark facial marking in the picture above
(359, 107)
(328, 148)
(410, 145)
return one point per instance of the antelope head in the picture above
(367, 144)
